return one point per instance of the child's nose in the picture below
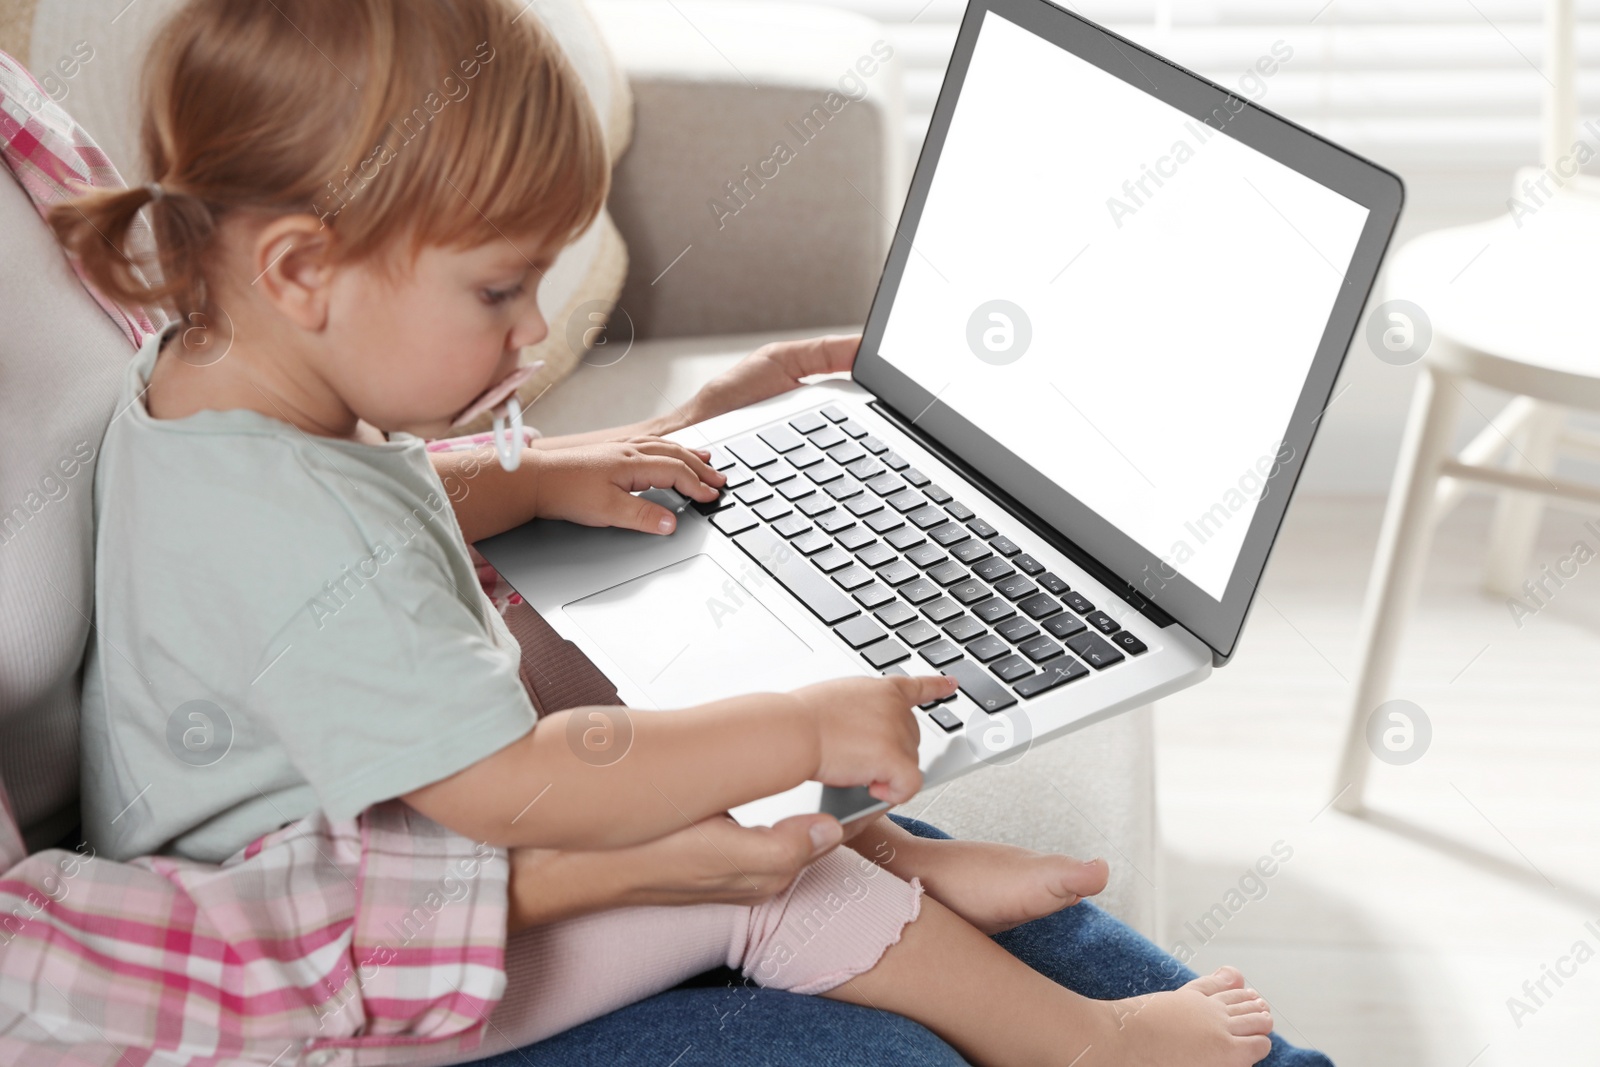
(530, 330)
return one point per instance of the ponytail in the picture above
(101, 230)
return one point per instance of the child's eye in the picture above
(500, 296)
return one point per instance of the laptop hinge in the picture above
(1022, 514)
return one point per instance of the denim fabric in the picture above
(717, 1020)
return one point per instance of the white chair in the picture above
(1510, 303)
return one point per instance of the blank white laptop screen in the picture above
(1125, 298)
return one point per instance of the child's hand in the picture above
(867, 733)
(593, 484)
(772, 369)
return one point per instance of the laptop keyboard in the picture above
(898, 567)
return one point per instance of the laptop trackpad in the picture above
(690, 632)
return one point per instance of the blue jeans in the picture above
(719, 1020)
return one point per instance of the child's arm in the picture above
(590, 484)
(683, 766)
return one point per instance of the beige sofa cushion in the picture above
(101, 93)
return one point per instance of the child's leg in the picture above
(992, 886)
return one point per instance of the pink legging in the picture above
(832, 924)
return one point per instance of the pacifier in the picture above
(502, 398)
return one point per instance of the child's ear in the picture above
(289, 259)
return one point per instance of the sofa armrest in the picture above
(765, 172)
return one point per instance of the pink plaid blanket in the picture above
(377, 940)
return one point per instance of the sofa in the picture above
(712, 85)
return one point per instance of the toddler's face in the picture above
(410, 352)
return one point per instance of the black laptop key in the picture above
(1065, 625)
(844, 489)
(1038, 606)
(1010, 668)
(1028, 565)
(856, 538)
(792, 525)
(853, 577)
(901, 536)
(812, 542)
(863, 505)
(1040, 648)
(774, 509)
(833, 521)
(1078, 602)
(926, 516)
(886, 484)
(941, 608)
(894, 461)
(795, 489)
(1056, 672)
(881, 522)
(988, 647)
(796, 574)
(941, 652)
(823, 473)
(846, 453)
(1053, 583)
(873, 555)
(893, 615)
(919, 590)
(814, 504)
(859, 631)
(853, 428)
(971, 551)
(752, 452)
(733, 521)
(873, 445)
(832, 559)
(1094, 650)
(781, 438)
(948, 720)
(1128, 643)
(835, 413)
(827, 437)
(993, 610)
(808, 422)
(1015, 587)
(721, 458)
(773, 473)
(1005, 546)
(950, 533)
(980, 688)
(906, 500)
(970, 591)
(805, 456)
(714, 505)
(959, 511)
(1103, 622)
(737, 475)
(963, 628)
(885, 652)
(873, 595)
(917, 633)
(1016, 630)
(926, 556)
(948, 573)
(937, 495)
(915, 477)
(993, 570)
(897, 573)
(981, 529)
(865, 468)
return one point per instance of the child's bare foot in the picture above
(1214, 1021)
(995, 887)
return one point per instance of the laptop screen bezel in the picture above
(1217, 623)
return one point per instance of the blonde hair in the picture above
(416, 122)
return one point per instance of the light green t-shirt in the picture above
(283, 622)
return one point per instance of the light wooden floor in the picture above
(1399, 938)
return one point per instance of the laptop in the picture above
(1106, 331)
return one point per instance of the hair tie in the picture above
(155, 191)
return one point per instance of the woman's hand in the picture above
(593, 484)
(772, 369)
(714, 861)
